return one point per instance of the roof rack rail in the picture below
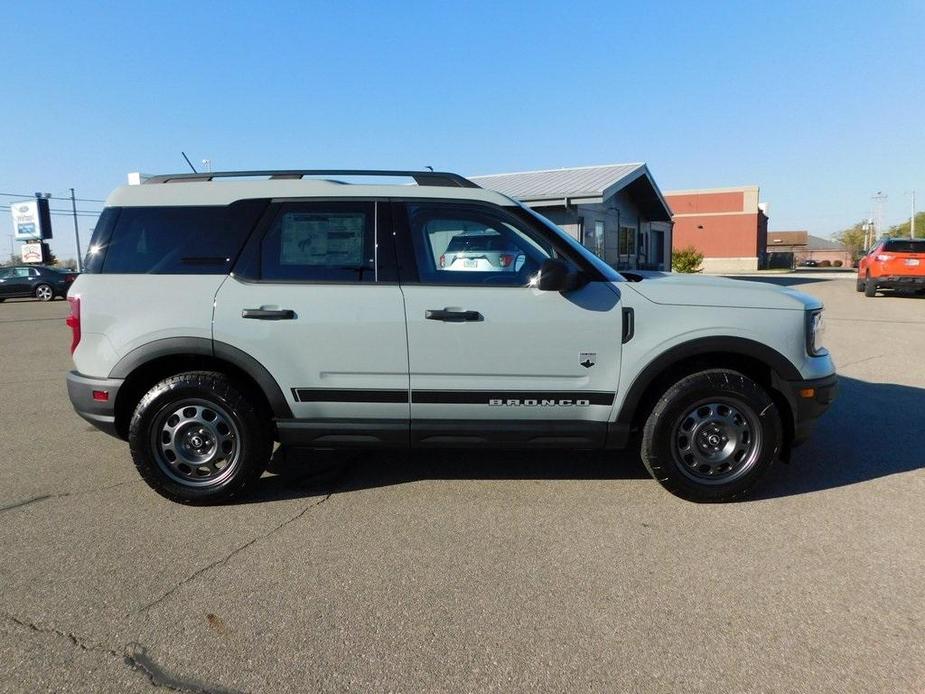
(422, 178)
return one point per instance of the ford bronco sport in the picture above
(222, 312)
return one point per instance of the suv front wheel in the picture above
(712, 436)
(196, 439)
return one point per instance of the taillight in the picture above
(506, 260)
(442, 261)
(73, 321)
(883, 257)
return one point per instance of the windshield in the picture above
(608, 272)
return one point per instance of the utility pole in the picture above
(912, 218)
(879, 198)
(76, 230)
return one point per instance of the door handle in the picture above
(268, 313)
(452, 315)
(629, 324)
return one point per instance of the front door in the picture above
(494, 360)
(312, 302)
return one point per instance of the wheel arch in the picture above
(146, 365)
(763, 364)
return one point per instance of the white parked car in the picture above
(219, 313)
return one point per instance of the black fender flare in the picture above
(777, 362)
(202, 346)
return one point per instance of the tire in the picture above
(196, 439)
(870, 287)
(44, 292)
(859, 285)
(712, 436)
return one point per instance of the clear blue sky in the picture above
(821, 104)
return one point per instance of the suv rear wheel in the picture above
(196, 439)
(870, 287)
(712, 436)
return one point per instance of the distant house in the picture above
(617, 211)
(820, 249)
(728, 225)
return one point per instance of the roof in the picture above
(224, 191)
(815, 243)
(581, 184)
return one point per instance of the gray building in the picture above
(617, 210)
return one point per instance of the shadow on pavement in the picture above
(871, 432)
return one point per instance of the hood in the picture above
(699, 290)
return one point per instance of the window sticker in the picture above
(322, 239)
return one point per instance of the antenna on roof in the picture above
(188, 161)
(429, 168)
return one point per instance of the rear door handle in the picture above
(268, 313)
(451, 315)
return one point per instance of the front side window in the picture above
(320, 242)
(473, 244)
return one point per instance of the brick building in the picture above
(728, 225)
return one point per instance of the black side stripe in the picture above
(348, 395)
(448, 397)
(483, 397)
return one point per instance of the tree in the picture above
(902, 230)
(853, 238)
(686, 260)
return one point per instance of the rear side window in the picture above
(904, 247)
(171, 240)
(320, 242)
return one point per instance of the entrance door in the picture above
(493, 360)
(316, 303)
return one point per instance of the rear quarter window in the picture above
(171, 240)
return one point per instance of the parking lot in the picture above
(468, 571)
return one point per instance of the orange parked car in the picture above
(892, 264)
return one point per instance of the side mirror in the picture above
(555, 277)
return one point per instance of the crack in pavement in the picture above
(227, 557)
(859, 361)
(133, 654)
(61, 495)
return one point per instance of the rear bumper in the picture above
(900, 281)
(100, 413)
(809, 400)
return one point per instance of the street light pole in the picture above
(912, 218)
(76, 230)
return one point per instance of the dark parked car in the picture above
(809, 262)
(44, 283)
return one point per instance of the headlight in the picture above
(815, 331)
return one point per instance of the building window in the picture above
(627, 241)
(599, 239)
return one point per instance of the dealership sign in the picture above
(31, 220)
(32, 252)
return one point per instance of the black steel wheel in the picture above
(195, 438)
(711, 436)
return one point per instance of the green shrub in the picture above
(837, 263)
(686, 260)
(825, 263)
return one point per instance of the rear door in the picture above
(314, 299)
(493, 360)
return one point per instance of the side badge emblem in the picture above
(587, 359)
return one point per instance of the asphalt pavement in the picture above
(471, 571)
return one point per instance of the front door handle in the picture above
(452, 315)
(268, 313)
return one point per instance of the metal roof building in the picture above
(616, 210)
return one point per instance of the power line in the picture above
(53, 197)
(69, 213)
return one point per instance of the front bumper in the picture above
(100, 413)
(809, 400)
